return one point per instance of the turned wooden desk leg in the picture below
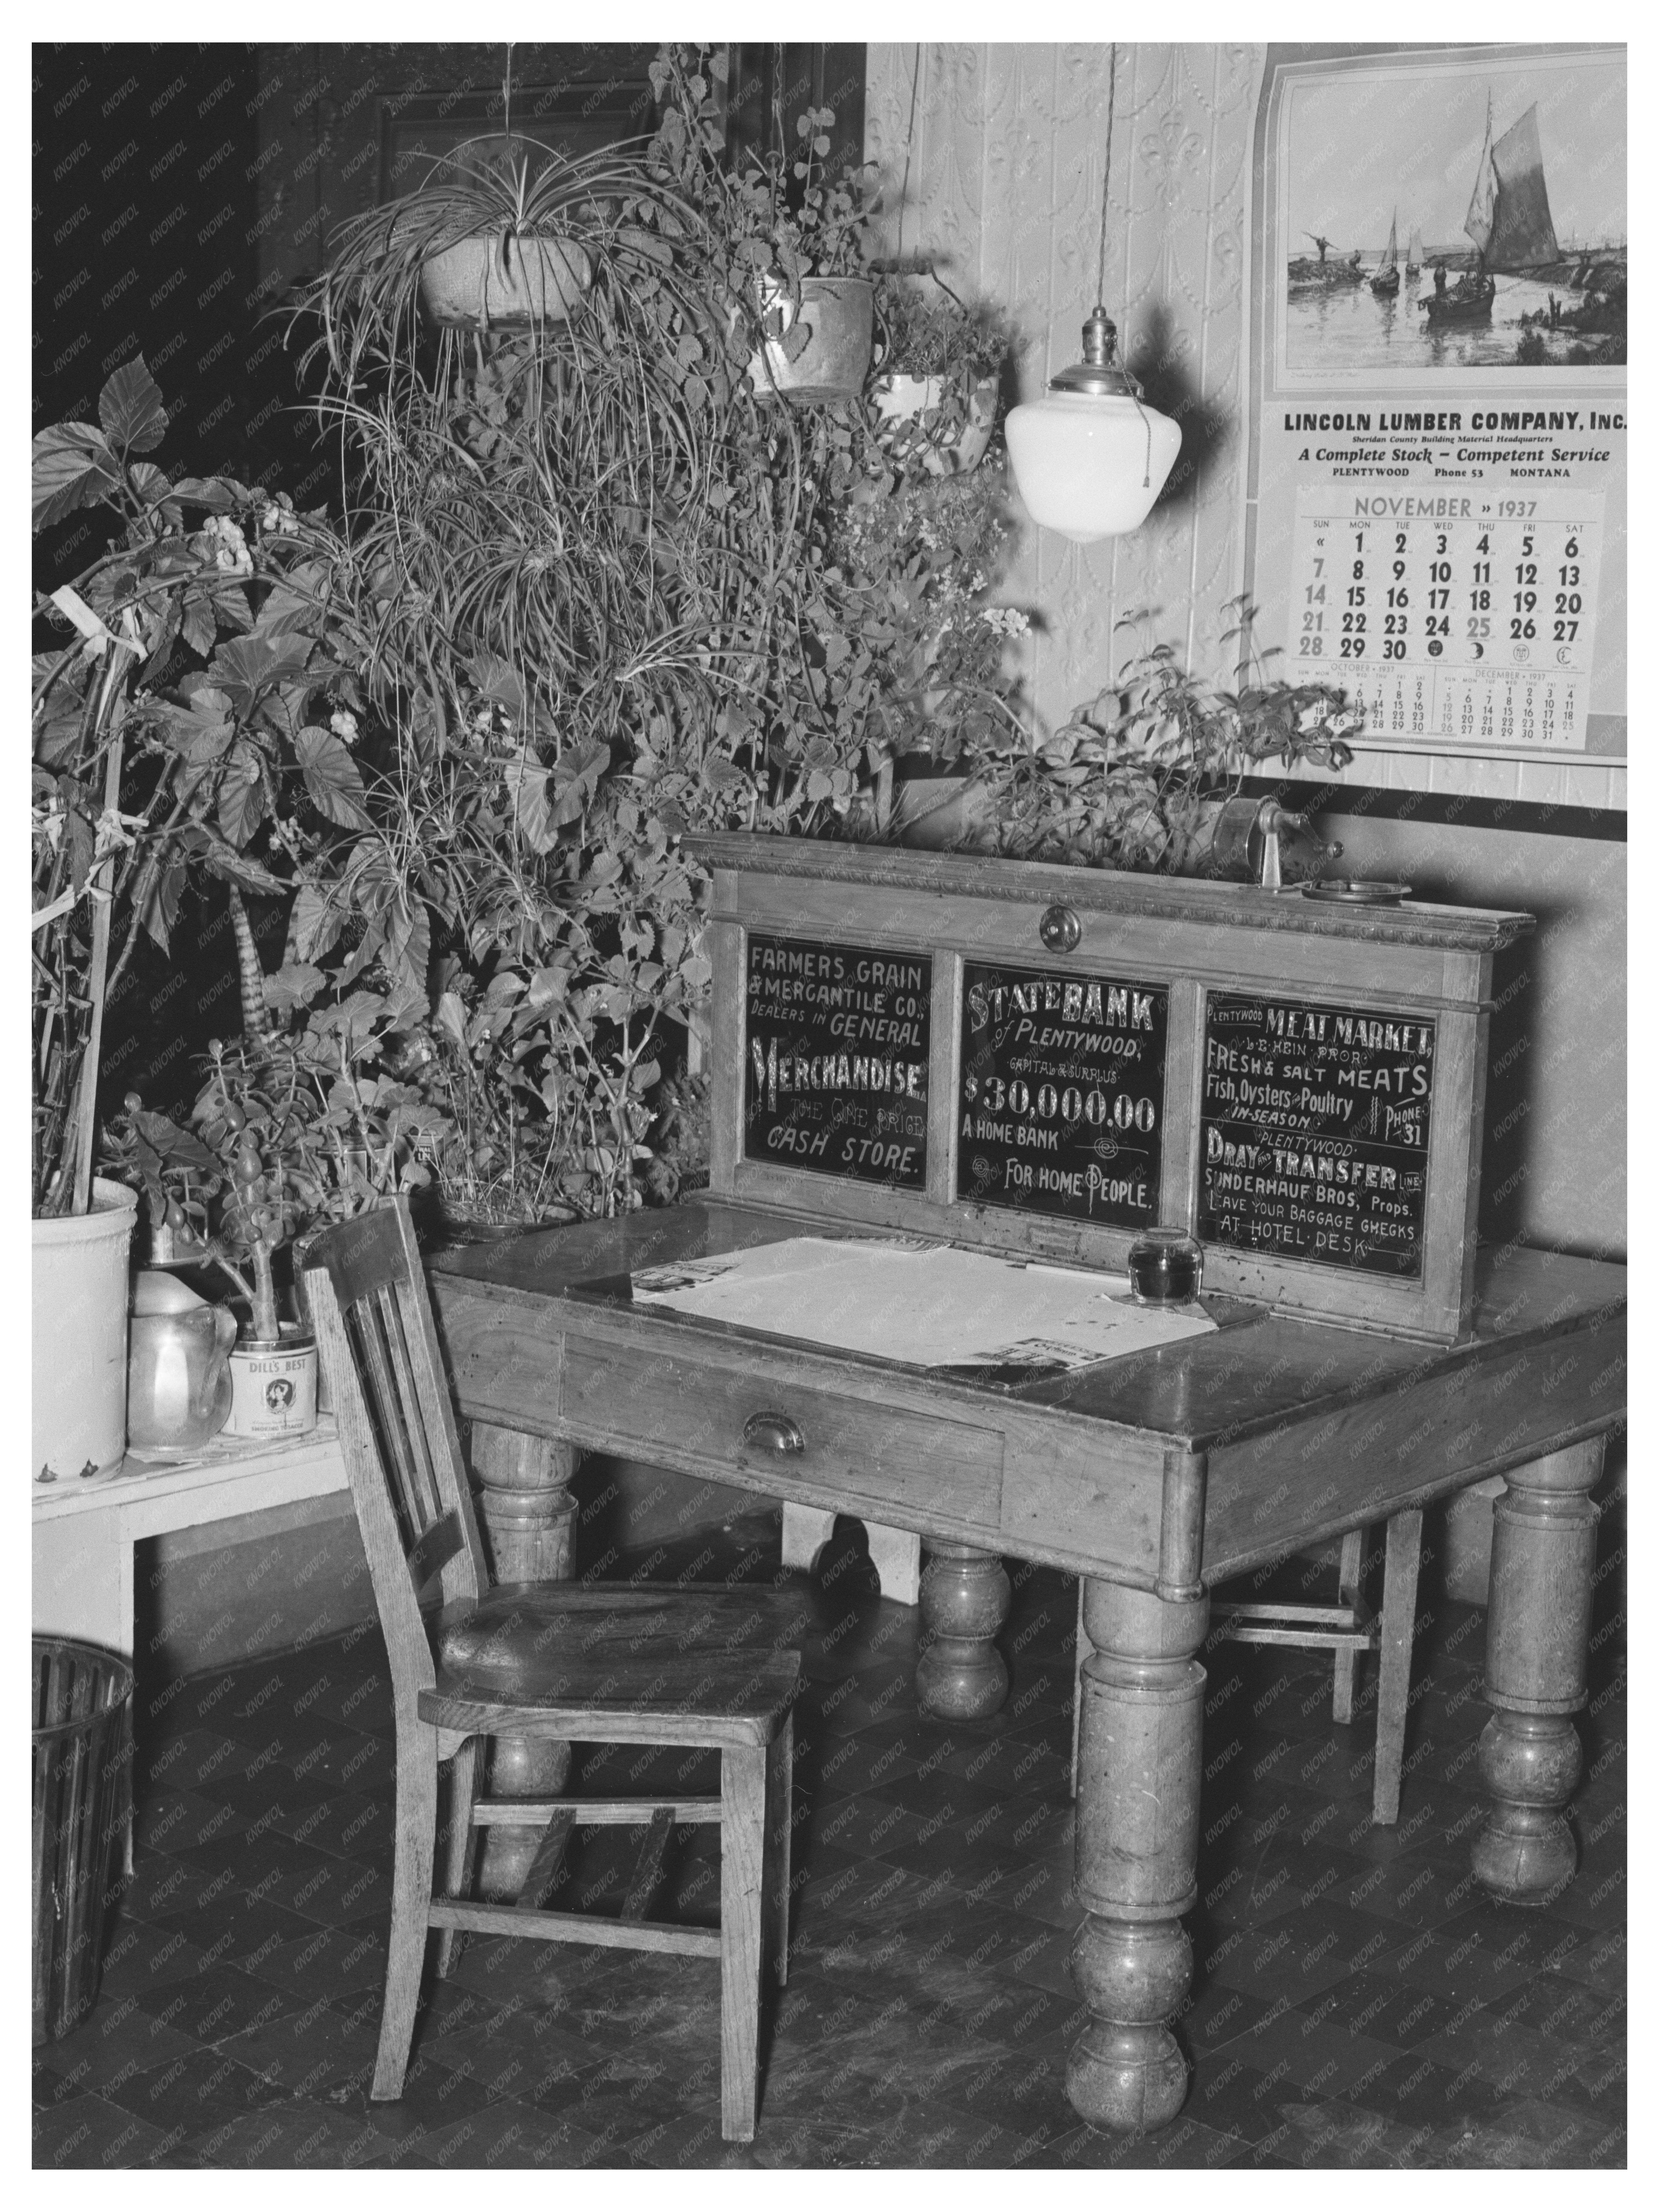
(962, 1676)
(527, 1511)
(1141, 1751)
(1543, 1559)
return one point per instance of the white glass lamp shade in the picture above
(1090, 465)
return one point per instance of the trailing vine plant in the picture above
(610, 586)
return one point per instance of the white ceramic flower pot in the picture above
(505, 282)
(902, 398)
(78, 1371)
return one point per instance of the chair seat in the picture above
(693, 1665)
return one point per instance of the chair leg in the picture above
(779, 1763)
(460, 1847)
(742, 1841)
(1348, 1576)
(411, 1899)
(1401, 1558)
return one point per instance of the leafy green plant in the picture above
(285, 1137)
(190, 726)
(604, 592)
(592, 575)
(929, 556)
(782, 212)
(924, 331)
(936, 395)
(1133, 777)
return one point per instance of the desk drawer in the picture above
(897, 1463)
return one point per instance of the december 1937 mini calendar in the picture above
(1461, 614)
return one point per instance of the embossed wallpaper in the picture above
(1006, 159)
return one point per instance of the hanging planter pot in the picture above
(838, 317)
(948, 450)
(505, 280)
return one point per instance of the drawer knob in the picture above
(773, 1432)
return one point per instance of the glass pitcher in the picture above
(178, 1379)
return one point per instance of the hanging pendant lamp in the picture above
(1090, 457)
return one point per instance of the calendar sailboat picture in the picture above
(1462, 209)
(1509, 219)
(1386, 282)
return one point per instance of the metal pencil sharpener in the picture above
(1257, 841)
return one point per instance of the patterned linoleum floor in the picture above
(1358, 2001)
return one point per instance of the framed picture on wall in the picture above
(1435, 491)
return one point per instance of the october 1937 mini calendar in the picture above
(1461, 614)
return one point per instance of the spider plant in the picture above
(604, 593)
(367, 298)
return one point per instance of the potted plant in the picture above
(1136, 777)
(288, 1135)
(509, 267)
(589, 565)
(171, 711)
(817, 306)
(503, 234)
(796, 240)
(940, 366)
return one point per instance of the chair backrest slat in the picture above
(439, 1545)
(400, 1453)
(426, 1502)
(431, 1384)
(380, 1348)
(363, 1255)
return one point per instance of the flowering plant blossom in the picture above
(228, 545)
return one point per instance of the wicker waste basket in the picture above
(82, 1716)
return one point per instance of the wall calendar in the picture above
(1462, 616)
(1436, 508)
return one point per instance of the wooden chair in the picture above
(619, 1664)
(1344, 1629)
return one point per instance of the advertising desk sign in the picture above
(1044, 1063)
(1314, 1141)
(838, 1060)
(1060, 1107)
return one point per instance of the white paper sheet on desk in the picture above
(929, 1305)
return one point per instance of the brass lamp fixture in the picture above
(1090, 457)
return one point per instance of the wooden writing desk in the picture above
(1349, 1379)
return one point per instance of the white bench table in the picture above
(84, 1532)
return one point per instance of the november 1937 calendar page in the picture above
(1437, 523)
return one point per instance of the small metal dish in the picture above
(1356, 890)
